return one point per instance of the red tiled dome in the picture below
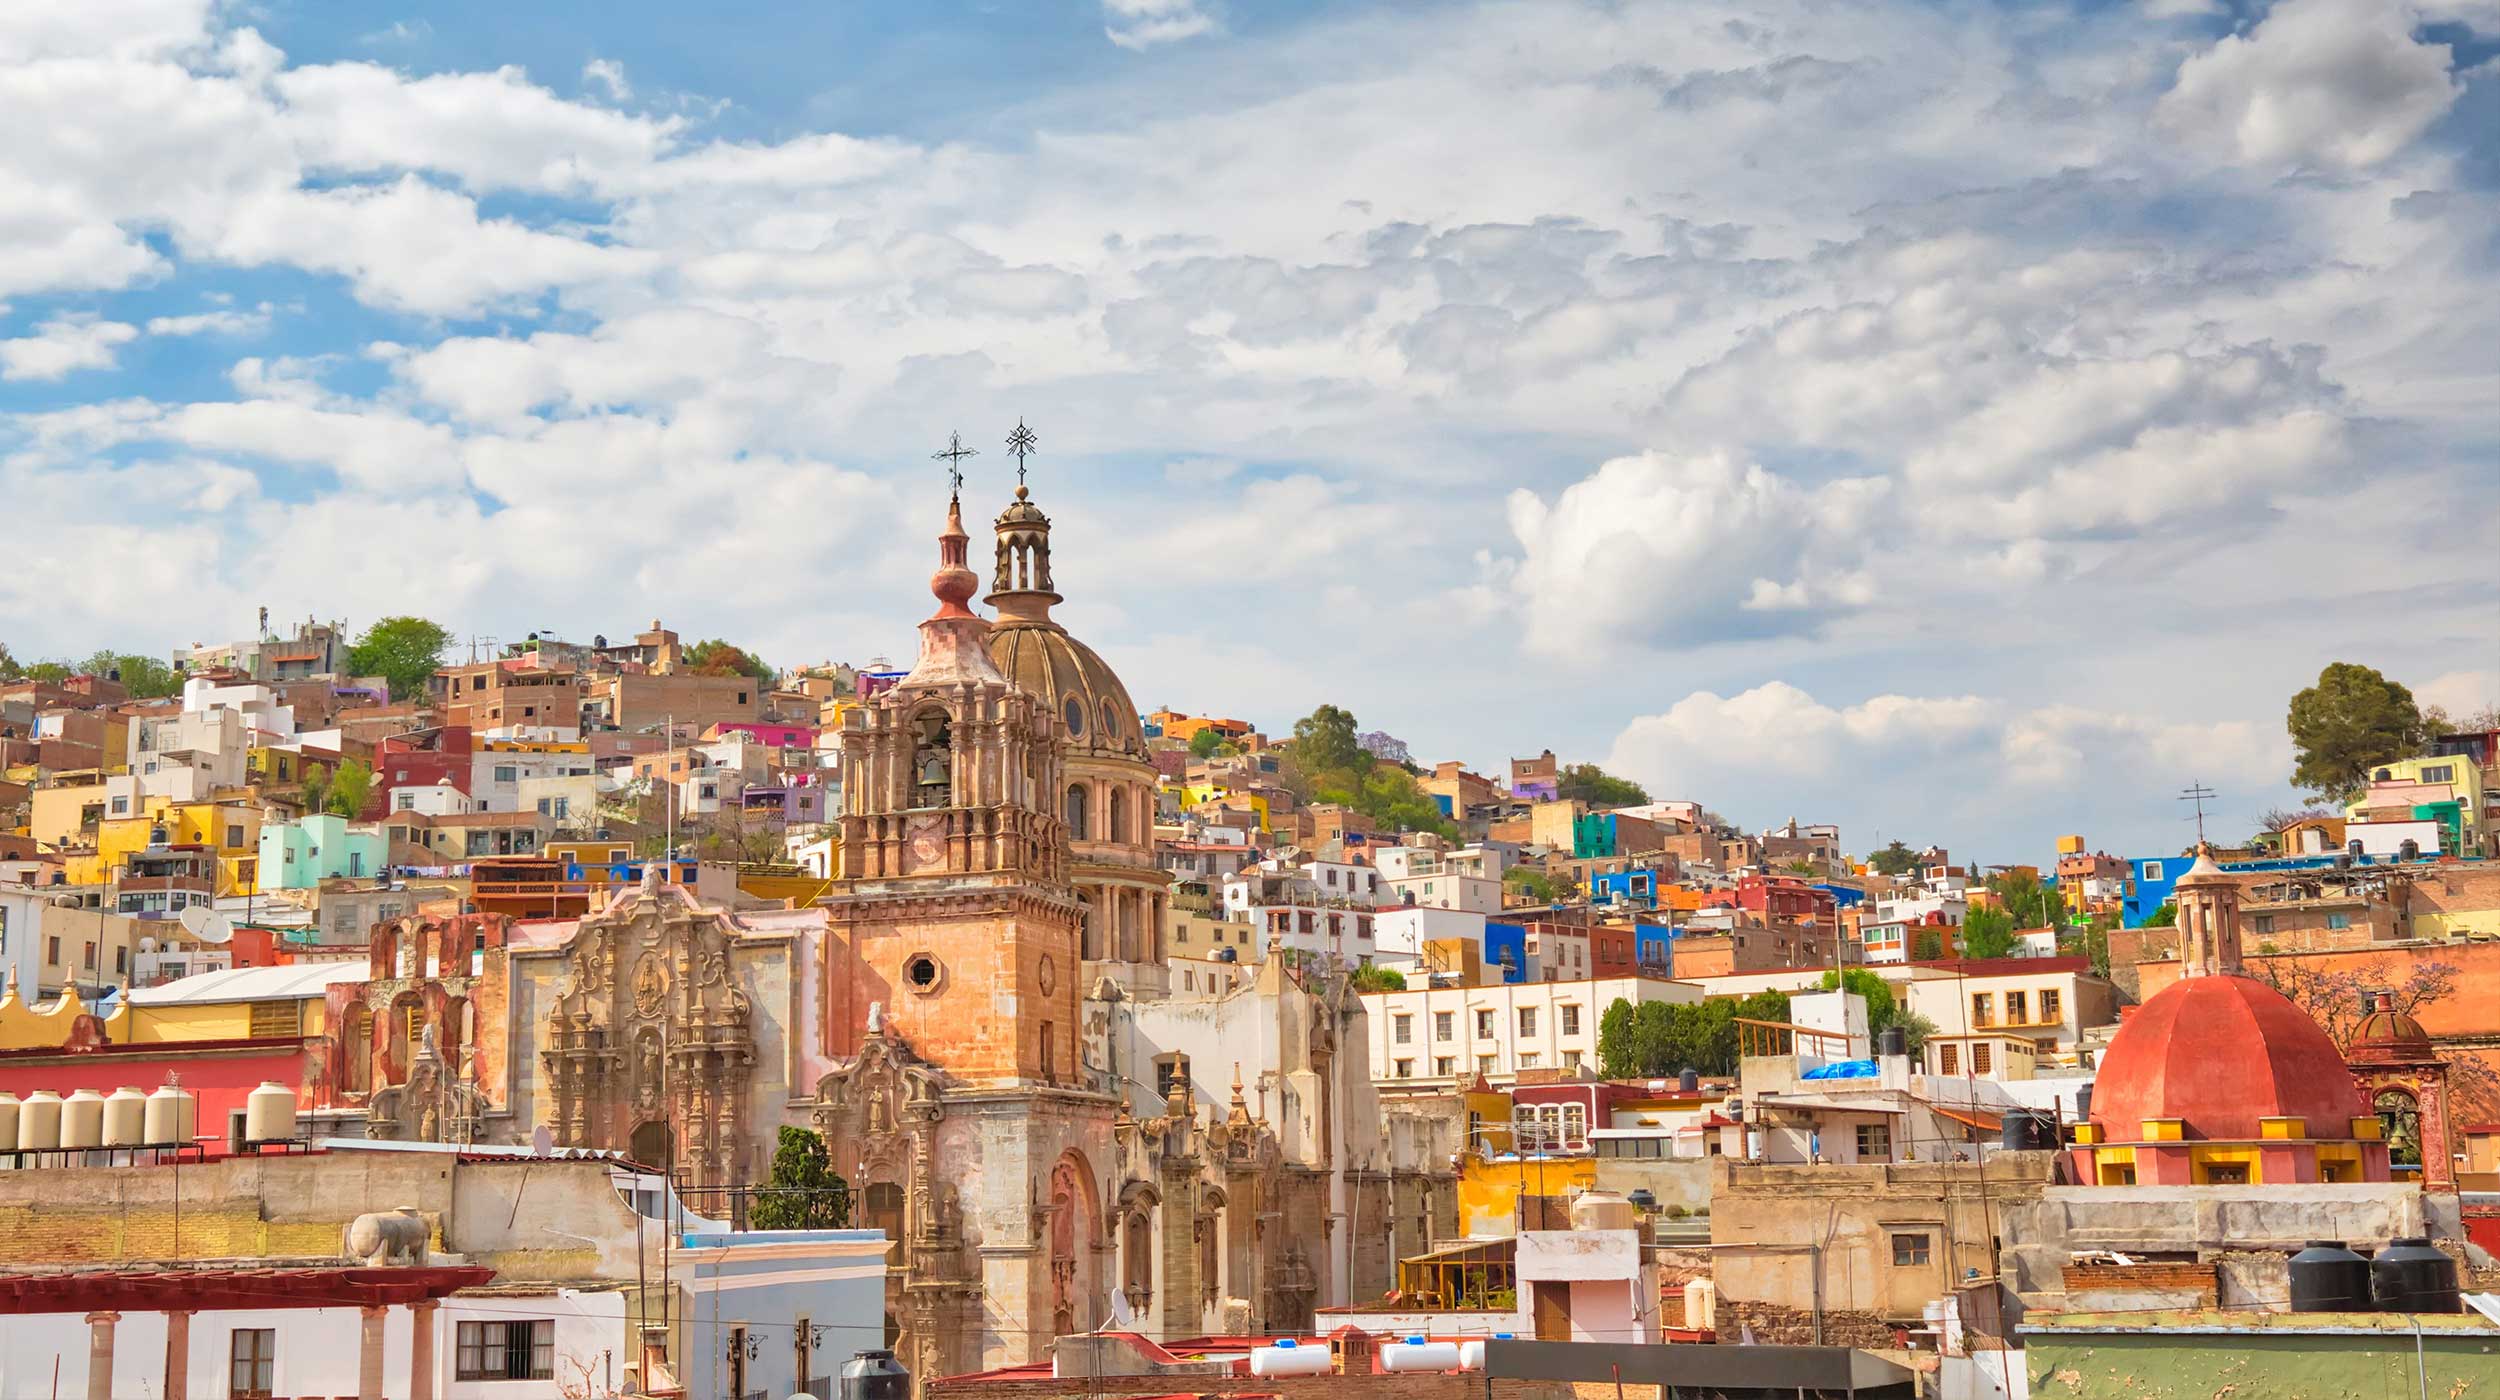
(2391, 1037)
(2222, 1052)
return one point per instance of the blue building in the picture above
(2155, 876)
(782, 1310)
(1843, 897)
(1506, 947)
(1637, 889)
(1653, 947)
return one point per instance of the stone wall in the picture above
(1775, 1325)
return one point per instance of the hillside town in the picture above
(613, 1016)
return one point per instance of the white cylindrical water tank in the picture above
(1416, 1354)
(173, 1116)
(39, 1122)
(1471, 1355)
(82, 1120)
(1601, 1210)
(269, 1113)
(8, 1118)
(1287, 1359)
(125, 1117)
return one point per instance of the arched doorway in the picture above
(1075, 1224)
(653, 1145)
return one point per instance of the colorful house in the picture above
(300, 854)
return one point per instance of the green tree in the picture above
(1323, 741)
(1926, 944)
(1204, 743)
(2350, 721)
(1883, 1010)
(1653, 1037)
(145, 677)
(714, 657)
(1895, 859)
(9, 669)
(1987, 932)
(2031, 903)
(349, 787)
(2167, 916)
(1371, 977)
(1534, 884)
(804, 1193)
(1616, 1057)
(404, 651)
(1594, 785)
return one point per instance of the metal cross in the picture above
(1021, 442)
(954, 456)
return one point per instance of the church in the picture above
(976, 1018)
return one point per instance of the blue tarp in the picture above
(1843, 1069)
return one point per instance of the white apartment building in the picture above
(1399, 934)
(1449, 891)
(2051, 1004)
(1432, 1037)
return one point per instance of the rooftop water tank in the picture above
(2326, 1277)
(269, 1113)
(82, 1120)
(1416, 1354)
(39, 1122)
(1287, 1358)
(125, 1118)
(173, 1116)
(875, 1375)
(8, 1118)
(2409, 1276)
(1601, 1210)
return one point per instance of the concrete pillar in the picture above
(420, 1348)
(177, 1355)
(369, 1356)
(100, 1354)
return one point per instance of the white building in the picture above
(2051, 1005)
(1436, 1036)
(1399, 934)
(1441, 890)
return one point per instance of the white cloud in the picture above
(221, 322)
(2335, 83)
(1918, 767)
(1676, 550)
(608, 74)
(62, 346)
(1142, 24)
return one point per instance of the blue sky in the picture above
(1966, 423)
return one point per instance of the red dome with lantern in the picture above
(2219, 1053)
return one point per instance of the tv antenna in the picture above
(2199, 794)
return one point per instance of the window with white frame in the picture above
(507, 1351)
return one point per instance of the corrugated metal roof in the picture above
(300, 981)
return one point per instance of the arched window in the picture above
(1110, 721)
(356, 1049)
(1137, 1267)
(1116, 829)
(1075, 812)
(1075, 712)
(932, 760)
(885, 1208)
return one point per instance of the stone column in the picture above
(421, 1315)
(100, 1354)
(177, 1355)
(369, 1356)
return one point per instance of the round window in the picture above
(921, 972)
(1076, 717)
(1110, 720)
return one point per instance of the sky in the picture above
(1966, 423)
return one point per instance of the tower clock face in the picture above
(926, 838)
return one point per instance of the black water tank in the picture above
(1894, 1041)
(2026, 1130)
(2410, 1276)
(1689, 1080)
(2083, 1104)
(2326, 1277)
(875, 1375)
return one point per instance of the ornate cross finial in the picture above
(954, 456)
(1021, 443)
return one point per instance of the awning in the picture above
(1977, 1118)
(205, 1290)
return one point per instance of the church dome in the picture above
(2390, 1037)
(1041, 659)
(2220, 1053)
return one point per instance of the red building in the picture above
(1784, 899)
(425, 758)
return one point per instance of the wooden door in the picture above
(1553, 1310)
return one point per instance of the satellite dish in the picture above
(206, 924)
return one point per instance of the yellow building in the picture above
(64, 813)
(1494, 1195)
(230, 829)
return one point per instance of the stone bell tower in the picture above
(956, 910)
